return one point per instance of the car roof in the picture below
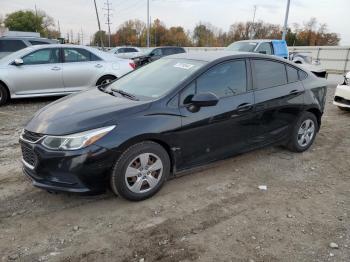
(256, 40)
(210, 56)
(30, 38)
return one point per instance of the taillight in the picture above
(133, 65)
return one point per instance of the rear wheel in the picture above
(140, 171)
(344, 108)
(4, 95)
(105, 80)
(304, 133)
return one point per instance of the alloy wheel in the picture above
(144, 173)
(306, 133)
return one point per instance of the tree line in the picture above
(134, 32)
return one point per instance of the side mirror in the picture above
(204, 100)
(18, 62)
(262, 52)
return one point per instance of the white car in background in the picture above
(52, 70)
(126, 52)
(342, 94)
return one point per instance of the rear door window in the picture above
(38, 43)
(265, 48)
(168, 51)
(11, 45)
(130, 50)
(180, 50)
(74, 55)
(268, 73)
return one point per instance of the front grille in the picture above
(28, 155)
(31, 136)
(341, 100)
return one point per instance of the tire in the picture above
(105, 79)
(344, 108)
(304, 133)
(137, 161)
(4, 95)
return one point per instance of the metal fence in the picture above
(335, 59)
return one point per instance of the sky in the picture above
(79, 15)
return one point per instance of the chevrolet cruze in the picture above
(179, 112)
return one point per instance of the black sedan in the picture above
(155, 53)
(179, 112)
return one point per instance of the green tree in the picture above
(24, 21)
(97, 36)
(30, 21)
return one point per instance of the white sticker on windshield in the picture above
(184, 66)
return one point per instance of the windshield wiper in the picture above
(125, 94)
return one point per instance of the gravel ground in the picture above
(216, 214)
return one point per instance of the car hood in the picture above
(83, 111)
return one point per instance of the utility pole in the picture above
(36, 17)
(99, 25)
(251, 32)
(82, 36)
(108, 23)
(285, 27)
(148, 25)
(59, 28)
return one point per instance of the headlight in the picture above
(76, 141)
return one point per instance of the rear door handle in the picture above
(295, 91)
(56, 68)
(244, 107)
(98, 66)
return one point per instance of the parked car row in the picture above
(342, 94)
(51, 70)
(10, 44)
(176, 113)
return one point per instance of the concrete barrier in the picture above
(335, 59)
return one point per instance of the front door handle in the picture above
(244, 107)
(98, 66)
(56, 68)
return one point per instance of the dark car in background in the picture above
(10, 45)
(156, 53)
(176, 113)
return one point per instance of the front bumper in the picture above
(342, 96)
(81, 171)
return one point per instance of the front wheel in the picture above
(105, 80)
(304, 133)
(140, 171)
(4, 96)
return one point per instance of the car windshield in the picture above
(158, 78)
(242, 46)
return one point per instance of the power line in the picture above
(108, 23)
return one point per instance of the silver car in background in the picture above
(51, 70)
(126, 52)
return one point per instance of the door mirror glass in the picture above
(18, 62)
(204, 100)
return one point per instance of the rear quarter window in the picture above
(292, 74)
(302, 75)
(11, 45)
